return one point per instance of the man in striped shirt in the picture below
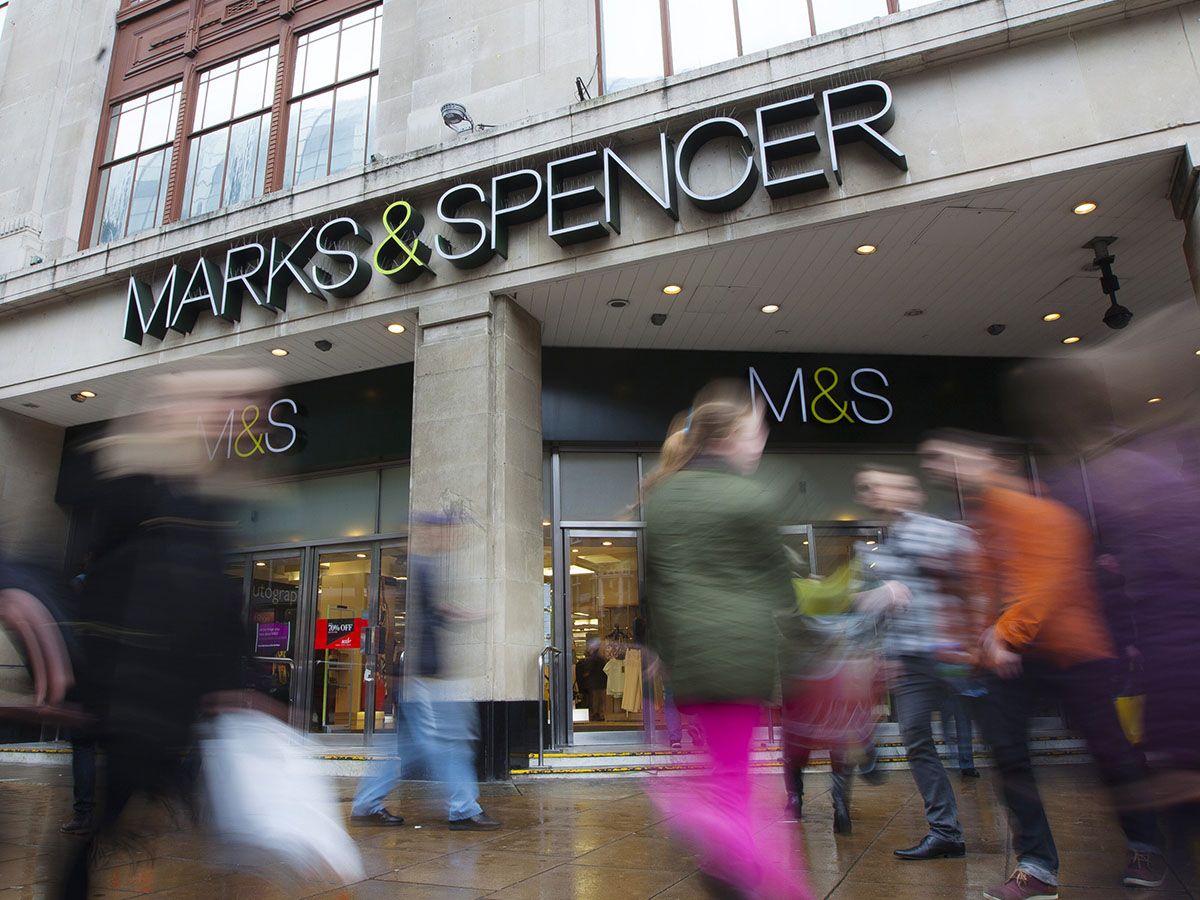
(914, 562)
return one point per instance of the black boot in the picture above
(794, 776)
(841, 798)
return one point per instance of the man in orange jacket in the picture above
(1045, 635)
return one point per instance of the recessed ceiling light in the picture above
(278, 351)
(545, 522)
(771, 308)
(88, 395)
(1051, 317)
(1155, 400)
(261, 564)
(396, 328)
(1198, 352)
(1073, 339)
(672, 289)
(914, 312)
(361, 555)
(574, 549)
(1087, 206)
(79, 398)
(865, 249)
(35, 406)
(618, 303)
(870, 543)
(606, 543)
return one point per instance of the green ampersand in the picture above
(256, 440)
(393, 255)
(842, 409)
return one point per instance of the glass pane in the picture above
(3, 16)
(334, 506)
(631, 38)
(339, 699)
(250, 89)
(371, 106)
(273, 602)
(114, 188)
(147, 189)
(819, 487)
(603, 592)
(312, 137)
(246, 166)
(393, 500)
(350, 126)
(393, 607)
(354, 58)
(219, 103)
(160, 122)
(321, 59)
(289, 167)
(702, 32)
(831, 15)
(129, 128)
(769, 23)
(599, 487)
(209, 152)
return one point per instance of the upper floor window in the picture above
(259, 101)
(137, 161)
(3, 14)
(333, 98)
(641, 40)
(227, 152)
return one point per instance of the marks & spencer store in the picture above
(866, 226)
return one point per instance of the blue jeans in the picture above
(437, 736)
(954, 709)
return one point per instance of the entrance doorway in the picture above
(607, 697)
(327, 632)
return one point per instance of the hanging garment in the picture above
(615, 670)
(632, 700)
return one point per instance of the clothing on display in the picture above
(631, 701)
(615, 670)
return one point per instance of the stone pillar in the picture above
(32, 526)
(477, 450)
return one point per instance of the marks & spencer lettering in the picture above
(823, 398)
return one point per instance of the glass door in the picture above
(343, 700)
(387, 638)
(272, 614)
(603, 652)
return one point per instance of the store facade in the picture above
(866, 226)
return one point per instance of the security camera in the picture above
(323, 345)
(658, 318)
(1117, 316)
(996, 328)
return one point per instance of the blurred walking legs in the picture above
(954, 710)
(917, 694)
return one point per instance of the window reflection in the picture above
(702, 33)
(631, 38)
(332, 129)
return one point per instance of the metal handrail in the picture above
(541, 658)
(276, 660)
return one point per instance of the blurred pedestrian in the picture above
(712, 622)
(1046, 638)
(954, 713)
(592, 680)
(437, 727)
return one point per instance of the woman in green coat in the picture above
(717, 576)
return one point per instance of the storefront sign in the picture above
(263, 592)
(828, 405)
(335, 259)
(272, 637)
(259, 433)
(339, 634)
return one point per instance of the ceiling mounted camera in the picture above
(1116, 316)
(323, 345)
(658, 318)
(996, 328)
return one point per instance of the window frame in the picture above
(893, 6)
(183, 61)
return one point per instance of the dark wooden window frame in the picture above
(664, 14)
(191, 36)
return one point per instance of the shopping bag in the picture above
(271, 804)
(1129, 712)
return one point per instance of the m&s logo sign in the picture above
(253, 431)
(826, 399)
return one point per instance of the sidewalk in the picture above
(581, 838)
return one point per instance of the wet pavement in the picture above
(583, 838)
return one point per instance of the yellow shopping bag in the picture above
(1129, 712)
(826, 597)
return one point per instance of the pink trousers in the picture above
(749, 848)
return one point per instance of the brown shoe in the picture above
(1022, 886)
(1145, 870)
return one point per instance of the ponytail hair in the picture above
(716, 413)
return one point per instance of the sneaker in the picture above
(1022, 886)
(1145, 870)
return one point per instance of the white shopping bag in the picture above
(271, 804)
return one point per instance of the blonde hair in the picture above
(717, 412)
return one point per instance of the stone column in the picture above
(477, 450)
